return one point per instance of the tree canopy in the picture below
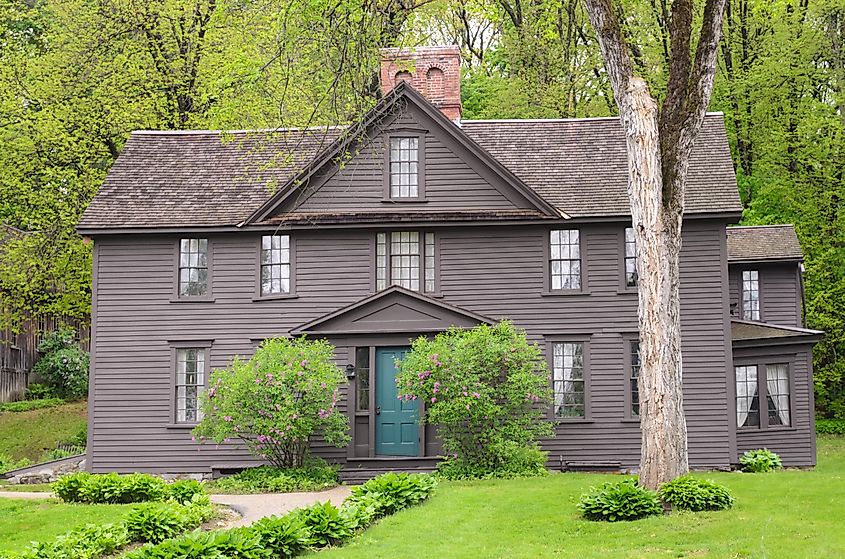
(76, 77)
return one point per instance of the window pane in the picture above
(631, 278)
(747, 399)
(634, 377)
(404, 171)
(362, 377)
(568, 379)
(190, 383)
(275, 264)
(565, 259)
(750, 295)
(193, 267)
(777, 387)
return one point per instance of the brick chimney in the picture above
(433, 71)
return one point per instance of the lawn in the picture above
(787, 514)
(24, 521)
(27, 434)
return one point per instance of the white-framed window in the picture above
(631, 277)
(275, 264)
(190, 383)
(751, 295)
(747, 396)
(193, 267)
(634, 376)
(406, 259)
(568, 382)
(404, 167)
(777, 394)
(565, 259)
(765, 382)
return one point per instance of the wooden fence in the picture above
(13, 384)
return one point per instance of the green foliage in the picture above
(830, 426)
(326, 524)
(281, 536)
(64, 365)
(83, 487)
(486, 390)
(8, 464)
(27, 405)
(621, 500)
(314, 476)
(59, 453)
(520, 462)
(760, 460)
(277, 401)
(36, 391)
(89, 542)
(692, 494)
(156, 522)
(238, 543)
(389, 493)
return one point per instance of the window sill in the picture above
(181, 426)
(630, 420)
(778, 429)
(192, 299)
(582, 421)
(362, 413)
(275, 297)
(627, 291)
(404, 201)
(569, 293)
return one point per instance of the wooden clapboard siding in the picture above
(780, 291)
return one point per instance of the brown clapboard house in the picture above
(404, 224)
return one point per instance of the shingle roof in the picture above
(763, 242)
(581, 165)
(744, 330)
(212, 178)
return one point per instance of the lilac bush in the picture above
(277, 401)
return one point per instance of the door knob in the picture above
(378, 410)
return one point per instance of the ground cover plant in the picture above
(786, 513)
(27, 434)
(277, 401)
(316, 475)
(830, 426)
(486, 390)
(759, 461)
(82, 487)
(619, 500)
(28, 405)
(695, 494)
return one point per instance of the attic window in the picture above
(404, 171)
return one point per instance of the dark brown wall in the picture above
(497, 272)
(779, 291)
(795, 444)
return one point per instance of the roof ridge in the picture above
(567, 119)
(769, 226)
(245, 131)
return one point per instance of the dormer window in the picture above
(405, 168)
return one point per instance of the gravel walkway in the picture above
(250, 507)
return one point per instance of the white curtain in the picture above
(777, 383)
(746, 389)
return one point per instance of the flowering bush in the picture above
(64, 366)
(486, 389)
(277, 401)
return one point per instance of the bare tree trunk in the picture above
(659, 142)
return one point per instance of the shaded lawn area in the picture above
(27, 434)
(784, 514)
(23, 521)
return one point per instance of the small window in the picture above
(406, 259)
(777, 392)
(634, 377)
(751, 295)
(362, 377)
(404, 167)
(568, 379)
(747, 397)
(275, 264)
(190, 383)
(631, 277)
(193, 267)
(565, 262)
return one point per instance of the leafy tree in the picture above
(64, 366)
(277, 402)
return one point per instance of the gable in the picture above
(458, 175)
(394, 310)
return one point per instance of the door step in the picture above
(361, 470)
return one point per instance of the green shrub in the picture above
(28, 405)
(621, 500)
(326, 524)
(59, 453)
(83, 487)
(237, 543)
(64, 365)
(392, 492)
(156, 522)
(7, 464)
(314, 476)
(87, 542)
(486, 390)
(830, 426)
(760, 460)
(689, 493)
(36, 391)
(282, 536)
(519, 463)
(253, 401)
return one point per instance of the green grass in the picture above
(23, 521)
(786, 514)
(27, 434)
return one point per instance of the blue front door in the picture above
(397, 430)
